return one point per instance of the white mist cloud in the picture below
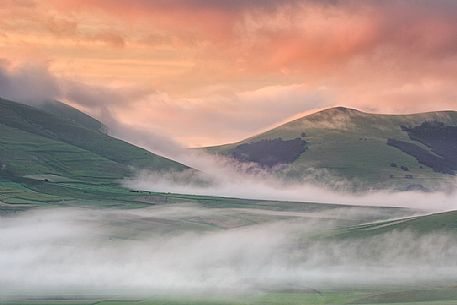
(221, 176)
(135, 252)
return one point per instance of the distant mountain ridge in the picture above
(54, 139)
(379, 149)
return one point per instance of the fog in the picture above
(165, 250)
(220, 176)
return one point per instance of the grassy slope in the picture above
(60, 155)
(62, 144)
(34, 122)
(353, 144)
(69, 113)
(23, 153)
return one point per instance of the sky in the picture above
(207, 72)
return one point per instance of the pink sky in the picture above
(208, 72)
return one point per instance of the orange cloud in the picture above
(208, 57)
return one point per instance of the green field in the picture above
(442, 296)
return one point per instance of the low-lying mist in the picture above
(191, 249)
(219, 176)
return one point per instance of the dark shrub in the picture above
(269, 153)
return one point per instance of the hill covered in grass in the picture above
(59, 144)
(56, 156)
(408, 151)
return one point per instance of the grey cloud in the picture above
(92, 96)
(29, 83)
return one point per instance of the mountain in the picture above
(55, 143)
(71, 114)
(413, 151)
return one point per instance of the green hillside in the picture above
(69, 113)
(42, 150)
(57, 156)
(61, 129)
(355, 145)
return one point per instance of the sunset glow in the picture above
(209, 72)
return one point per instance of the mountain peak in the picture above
(341, 115)
(339, 110)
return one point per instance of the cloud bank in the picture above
(94, 252)
(217, 67)
(318, 186)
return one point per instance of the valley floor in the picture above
(101, 239)
(417, 296)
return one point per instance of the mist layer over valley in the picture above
(88, 216)
(217, 152)
(190, 249)
(221, 176)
